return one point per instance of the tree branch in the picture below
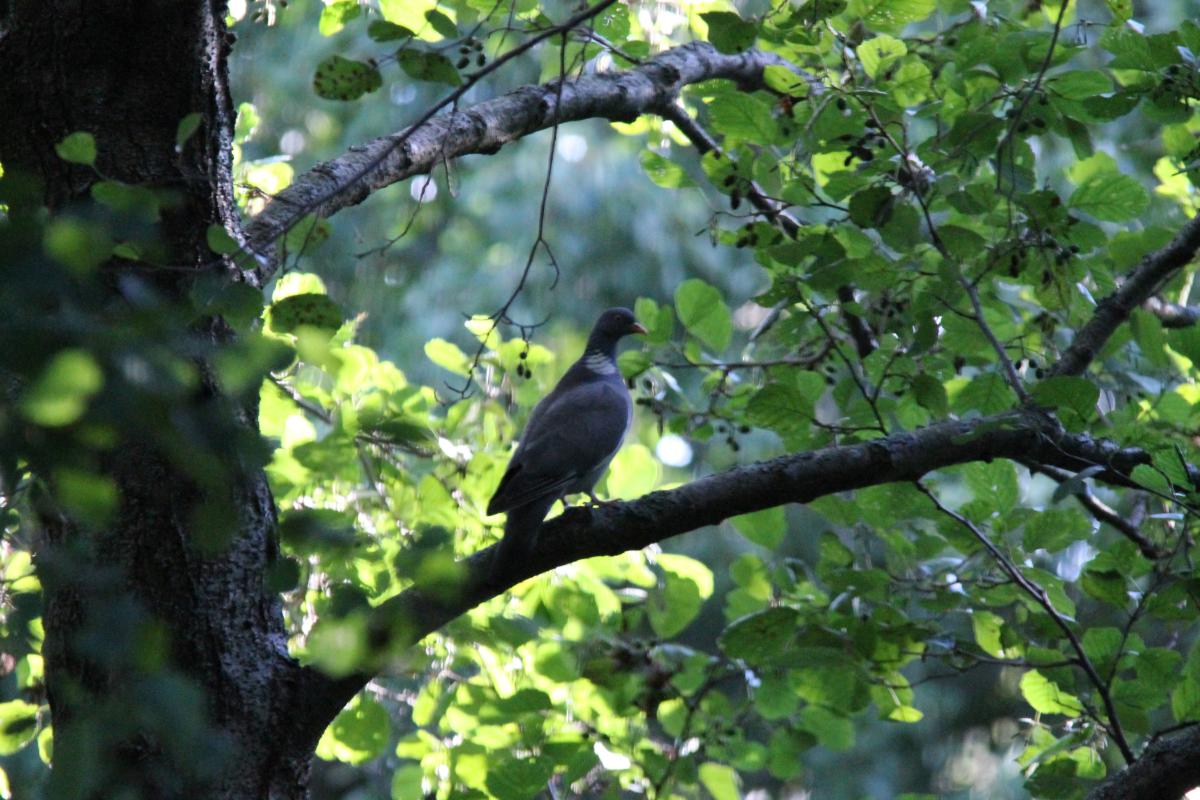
(1166, 770)
(484, 128)
(1139, 287)
(799, 478)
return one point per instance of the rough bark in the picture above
(1166, 770)
(128, 73)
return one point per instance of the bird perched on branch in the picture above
(569, 440)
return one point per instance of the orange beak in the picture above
(638, 327)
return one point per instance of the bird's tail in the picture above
(520, 537)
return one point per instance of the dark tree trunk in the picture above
(208, 711)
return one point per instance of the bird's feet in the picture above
(596, 502)
(591, 502)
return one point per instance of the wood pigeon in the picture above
(568, 442)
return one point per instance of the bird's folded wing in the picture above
(570, 433)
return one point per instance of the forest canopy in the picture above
(906, 507)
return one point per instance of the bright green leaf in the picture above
(1111, 197)
(703, 311)
(78, 148)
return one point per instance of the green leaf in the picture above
(664, 172)
(689, 569)
(335, 16)
(994, 483)
(785, 751)
(312, 310)
(678, 599)
(1185, 699)
(519, 778)
(1080, 84)
(187, 128)
(18, 725)
(703, 312)
(765, 527)
(761, 637)
(1045, 696)
(1102, 646)
(890, 15)
(872, 207)
(447, 356)
(91, 498)
(781, 407)
(931, 394)
(634, 472)
(381, 30)
(137, 202)
(987, 393)
(77, 148)
(1111, 197)
(358, 734)
(720, 780)
(728, 32)
(247, 122)
(408, 782)
(832, 730)
(910, 83)
(1151, 478)
(219, 241)
(785, 80)
(633, 363)
(1055, 528)
(613, 23)
(428, 66)
(1077, 394)
(987, 628)
(879, 53)
(743, 116)
(340, 78)
(61, 392)
(441, 23)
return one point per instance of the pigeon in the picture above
(570, 438)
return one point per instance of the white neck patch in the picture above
(599, 364)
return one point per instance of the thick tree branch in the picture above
(799, 478)
(1139, 286)
(1166, 770)
(353, 176)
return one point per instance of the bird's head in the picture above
(615, 323)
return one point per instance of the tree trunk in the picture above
(166, 657)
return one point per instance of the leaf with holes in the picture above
(340, 78)
(310, 310)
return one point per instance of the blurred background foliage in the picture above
(760, 658)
